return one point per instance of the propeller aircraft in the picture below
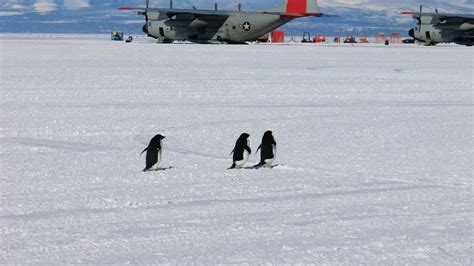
(216, 26)
(433, 28)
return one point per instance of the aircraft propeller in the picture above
(419, 18)
(145, 27)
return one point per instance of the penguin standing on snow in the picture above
(153, 152)
(268, 150)
(241, 151)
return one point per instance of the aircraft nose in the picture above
(411, 33)
(145, 28)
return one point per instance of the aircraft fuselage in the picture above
(236, 27)
(211, 26)
(431, 30)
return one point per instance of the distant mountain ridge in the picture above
(356, 17)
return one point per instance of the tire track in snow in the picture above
(173, 146)
(56, 144)
(48, 214)
(309, 196)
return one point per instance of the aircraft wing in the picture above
(442, 16)
(174, 12)
(299, 15)
(456, 18)
(216, 13)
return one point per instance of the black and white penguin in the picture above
(267, 150)
(241, 151)
(153, 152)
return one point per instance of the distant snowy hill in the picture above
(96, 16)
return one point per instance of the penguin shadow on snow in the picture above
(159, 169)
(255, 167)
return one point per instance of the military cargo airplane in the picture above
(433, 28)
(216, 26)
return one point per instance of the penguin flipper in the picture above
(259, 146)
(143, 151)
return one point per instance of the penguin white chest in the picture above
(268, 162)
(158, 157)
(244, 160)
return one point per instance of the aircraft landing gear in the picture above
(163, 40)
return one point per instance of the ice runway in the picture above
(374, 151)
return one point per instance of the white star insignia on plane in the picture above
(246, 26)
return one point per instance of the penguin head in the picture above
(242, 140)
(156, 140)
(158, 137)
(244, 136)
(268, 135)
(267, 138)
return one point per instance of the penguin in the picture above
(268, 150)
(241, 151)
(153, 152)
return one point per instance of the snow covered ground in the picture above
(374, 152)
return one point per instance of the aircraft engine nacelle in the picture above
(178, 23)
(466, 26)
(198, 24)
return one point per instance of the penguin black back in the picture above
(153, 152)
(267, 148)
(241, 151)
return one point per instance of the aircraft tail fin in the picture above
(297, 8)
(302, 6)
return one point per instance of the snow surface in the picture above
(374, 153)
